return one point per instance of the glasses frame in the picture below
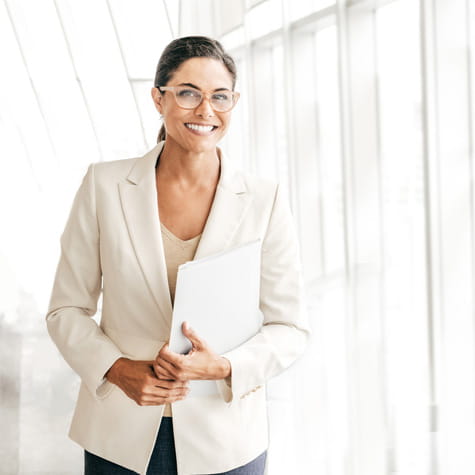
(235, 96)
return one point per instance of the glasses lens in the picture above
(187, 97)
(222, 101)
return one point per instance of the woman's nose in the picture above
(205, 109)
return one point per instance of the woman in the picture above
(132, 223)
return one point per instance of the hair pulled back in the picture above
(182, 49)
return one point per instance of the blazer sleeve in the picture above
(284, 334)
(76, 289)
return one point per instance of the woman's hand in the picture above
(139, 382)
(200, 363)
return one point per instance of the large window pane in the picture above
(269, 118)
(325, 423)
(403, 234)
(329, 148)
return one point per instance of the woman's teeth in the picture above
(200, 128)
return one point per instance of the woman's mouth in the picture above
(200, 129)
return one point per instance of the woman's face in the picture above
(206, 75)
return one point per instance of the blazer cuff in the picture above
(224, 389)
(236, 387)
(105, 386)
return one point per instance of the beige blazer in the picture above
(112, 243)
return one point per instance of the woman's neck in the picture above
(188, 169)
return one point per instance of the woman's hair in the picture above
(182, 49)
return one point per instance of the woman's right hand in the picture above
(139, 382)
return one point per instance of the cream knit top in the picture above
(177, 252)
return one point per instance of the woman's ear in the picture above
(157, 99)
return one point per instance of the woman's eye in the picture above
(188, 93)
(222, 97)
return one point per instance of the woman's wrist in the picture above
(225, 368)
(112, 373)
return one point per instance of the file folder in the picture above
(218, 296)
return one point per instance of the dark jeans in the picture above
(163, 460)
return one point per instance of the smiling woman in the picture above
(181, 200)
(189, 111)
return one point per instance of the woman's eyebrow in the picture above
(189, 84)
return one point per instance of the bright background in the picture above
(364, 110)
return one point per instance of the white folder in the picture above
(218, 296)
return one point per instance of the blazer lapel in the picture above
(139, 203)
(230, 204)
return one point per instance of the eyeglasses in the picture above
(189, 98)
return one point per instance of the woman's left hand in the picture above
(201, 362)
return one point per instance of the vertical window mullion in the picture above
(368, 369)
(456, 387)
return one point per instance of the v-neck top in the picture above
(177, 252)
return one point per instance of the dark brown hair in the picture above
(182, 49)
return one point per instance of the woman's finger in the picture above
(169, 357)
(150, 400)
(161, 373)
(172, 384)
(197, 342)
(157, 391)
(174, 368)
(165, 370)
(165, 394)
